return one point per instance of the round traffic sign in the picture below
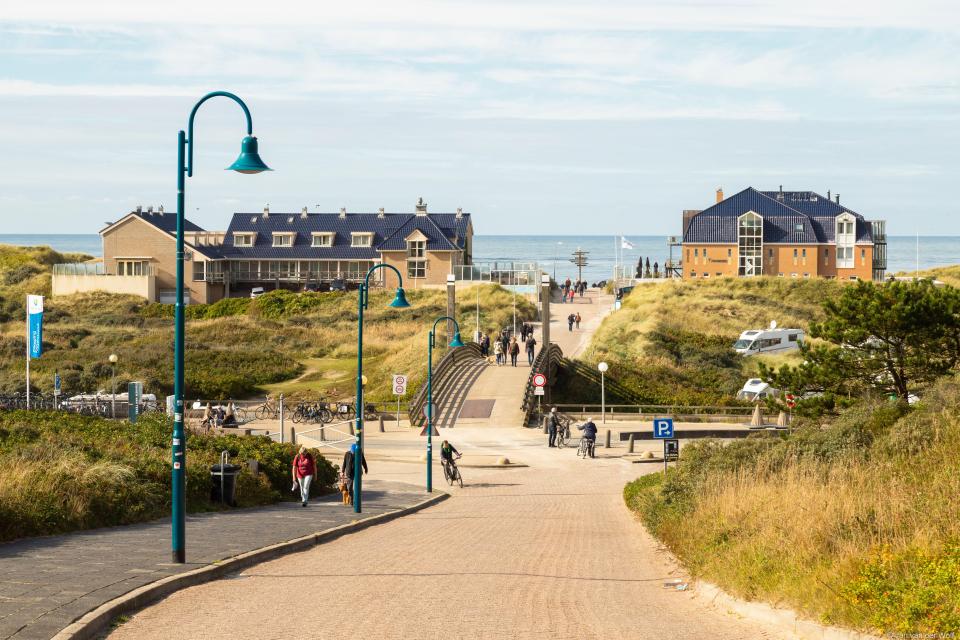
(539, 380)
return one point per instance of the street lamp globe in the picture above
(113, 358)
(603, 367)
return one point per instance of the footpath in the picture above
(47, 583)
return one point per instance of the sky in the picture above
(550, 117)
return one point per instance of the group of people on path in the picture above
(304, 470)
(569, 289)
(589, 431)
(573, 319)
(506, 346)
(218, 416)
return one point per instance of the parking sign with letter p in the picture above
(663, 428)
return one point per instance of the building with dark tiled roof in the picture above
(791, 234)
(274, 250)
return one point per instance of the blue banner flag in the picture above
(35, 325)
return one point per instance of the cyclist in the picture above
(447, 453)
(590, 435)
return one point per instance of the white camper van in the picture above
(768, 340)
(756, 389)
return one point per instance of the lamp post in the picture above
(363, 295)
(113, 383)
(248, 162)
(456, 342)
(603, 392)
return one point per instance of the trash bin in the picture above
(223, 483)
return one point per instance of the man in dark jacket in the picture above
(590, 435)
(552, 422)
(531, 345)
(348, 469)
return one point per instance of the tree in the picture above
(894, 337)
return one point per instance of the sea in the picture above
(554, 253)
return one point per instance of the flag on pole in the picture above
(35, 325)
(625, 244)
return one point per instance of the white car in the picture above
(757, 341)
(756, 389)
(256, 292)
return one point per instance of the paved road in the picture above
(47, 583)
(546, 551)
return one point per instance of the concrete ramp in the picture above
(504, 387)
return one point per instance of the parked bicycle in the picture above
(268, 410)
(563, 432)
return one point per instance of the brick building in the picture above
(790, 234)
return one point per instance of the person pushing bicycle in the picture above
(590, 435)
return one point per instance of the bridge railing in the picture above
(444, 374)
(638, 412)
(547, 362)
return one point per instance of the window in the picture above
(199, 271)
(854, 278)
(283, 239)
(729, 253)
(780, 275)
(750, 244)
(803, 252)
(770, 253)
(794, 253)
(798, 227)
(132, 268)
(719, 274)
(696, 252)
(806, 275)
(416, 259)
(322, 240)
(693, 274)
(793, 275)
(792, 337)
(243, 239)
(706, 275)
(704, 253)
(361, 239)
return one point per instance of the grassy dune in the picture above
(670, 343)
(856, 524)
(301, 344)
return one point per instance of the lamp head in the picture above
(249, 160)
(602, 367)
(400, 301)
(113, 358)
(456, 342)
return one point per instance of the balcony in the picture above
(83, 277)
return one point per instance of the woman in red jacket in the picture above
(304, 468)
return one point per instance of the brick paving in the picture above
(47, 583)
(547, 551)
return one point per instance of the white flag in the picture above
(625, 244)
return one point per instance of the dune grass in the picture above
(855, 524)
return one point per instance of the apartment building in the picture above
(789, 234)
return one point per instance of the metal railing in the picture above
(632, 412)
(443, 375)
(547, 362)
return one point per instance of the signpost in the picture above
(539, 382)
(34, 334)
(663, 429)
(56, 389)
(134, 396)
(399, 389)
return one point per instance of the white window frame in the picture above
(845, 238)
(756, 251)
(287, 236)
(203, 271)
(416, 259)
(244, 239)
(321, 239)
(364, 239)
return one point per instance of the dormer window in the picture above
(321, 240)
(244, 239)
(283, 239)
(361, 239)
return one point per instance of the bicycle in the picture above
(451, 472)
(586, 447)
(267, 410)
(563, 433)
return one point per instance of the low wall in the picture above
(144, 286)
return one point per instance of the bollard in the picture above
(293, 434)
(607, 445)
(546, 420)
(381, 423)
(281, 417)
(323, 435)
(351, 428)
(630, 444)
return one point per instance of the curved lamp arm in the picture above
(213, 94)
(366, 280)
(433, 330)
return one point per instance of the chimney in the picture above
(150, 209)
(343, 213)
(160, 210)
(381, 213)
(266, 211)
(303, 213)
(459, 213)
(720, 194)
(139, 209)
(421, 207)
(838, 198)
(829, 197)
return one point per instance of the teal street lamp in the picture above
(248, 162)
(456, 342)
(363, 297)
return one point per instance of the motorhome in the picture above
(768, 340)
(756, 389)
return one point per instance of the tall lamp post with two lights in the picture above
(363, 296)
(455, 343)
(248, 162)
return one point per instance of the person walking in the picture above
(576, 319)
(552, 422)
(348, 464)
(570, 320)
(304, 469)
(505, 343)
(514, 351)
(531, 345)
(498, 351)
(485, 346)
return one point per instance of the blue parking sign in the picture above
(663, 428)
